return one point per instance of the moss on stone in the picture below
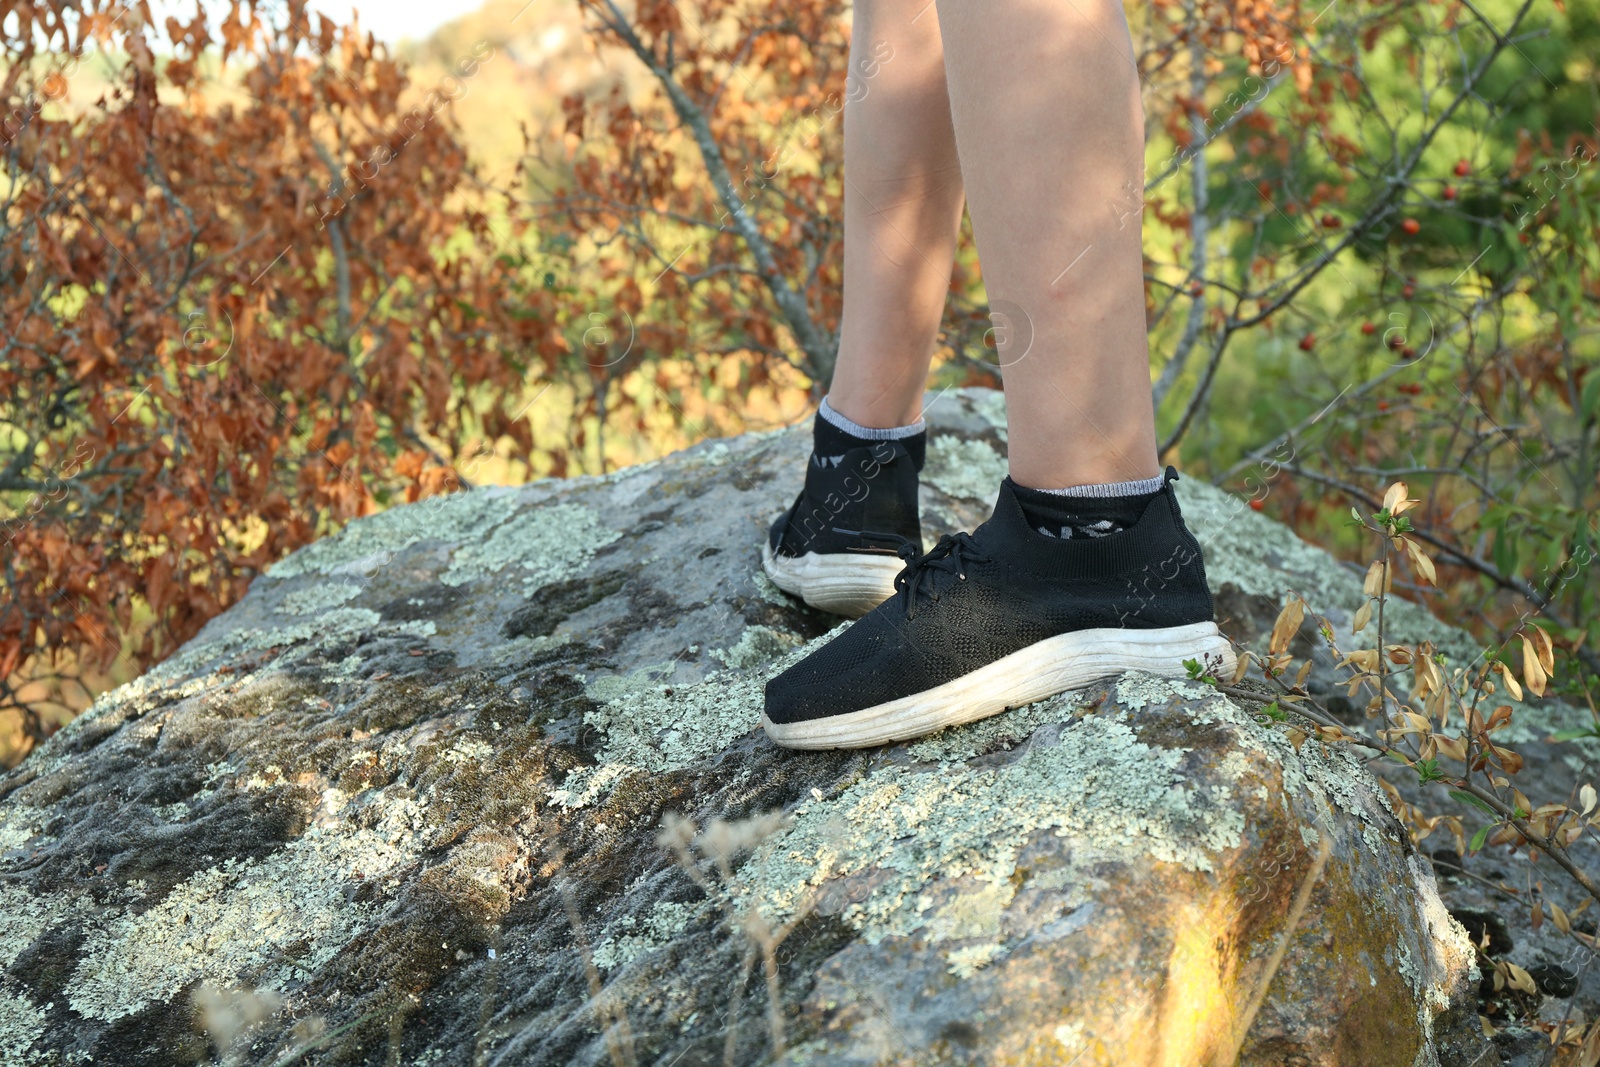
(630, 938)
(315, 599)
(238, 920)
(968, 469)
(21, 1023)
(536, 546)
(756, 645)
(1117, 798)
(367, 544)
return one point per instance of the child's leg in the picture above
(1051, 134)
(1086, 569)
(902, 212)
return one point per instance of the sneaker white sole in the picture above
(1056, 665)
(849, 584)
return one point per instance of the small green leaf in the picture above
(1479, 838)
(1468, 798)
(1573, 735)
(1428, 771)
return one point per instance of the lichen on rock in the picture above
(962, 467)
(269, 922)
(1114, 796)
(396, 790)
(538, 546)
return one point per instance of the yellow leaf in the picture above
(1377, 582)
(1240, 667)
(1363, 616)
(1423, 564)
(1559, 917)
(1393, 496)
(1512, 686)
(1453, 747)
(1547, 652)
(1586, 797)
(1287, 625)
(1521, 979)
(1538, 916)
(1297, 737)
(1532, 669)
(1523, 803)
(1300, 679)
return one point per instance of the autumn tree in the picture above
(242, 305)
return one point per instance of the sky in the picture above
(389, 20)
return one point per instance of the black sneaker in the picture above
(835, 548)
(1000, 618)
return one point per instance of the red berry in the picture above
(1409, 352)
(1449, 192)
(1369, 328)
(1396, 342)
(1256, 504)
(1408, 291)
(1463, 168)
(1383, 405)
(1308, 342)
(1331, 221)
(1411, 226)
(1522, 237)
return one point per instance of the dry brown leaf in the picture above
(1532, 669)
(1393, 496)
(1422, 562)
(1378, 581)
(1287, 624)
(1521, 979)
(1512, 685)
(1363, 616)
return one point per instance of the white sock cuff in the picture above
(866, 433)
(1140, 488)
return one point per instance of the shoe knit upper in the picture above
(974, 599)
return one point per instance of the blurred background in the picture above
(268, 267)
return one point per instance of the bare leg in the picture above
(1047, 115)
(902, 212)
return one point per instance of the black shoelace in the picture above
(951, 555)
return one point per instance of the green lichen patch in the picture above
(658, 727)
(23, 918)
(20, 824)
(958, 744)
(267, 922)
(315, 599)
(21, 1023)
(756, 645)
(630, 938)
(537, 546)
(1118, 799)
(372, 541)
(968, 469)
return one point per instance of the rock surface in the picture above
(479, 781)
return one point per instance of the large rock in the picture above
(479, 780)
